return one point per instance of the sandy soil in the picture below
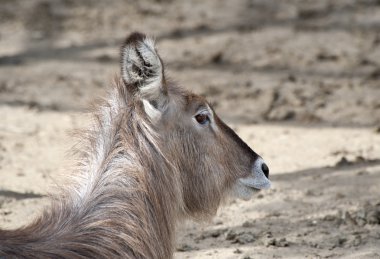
(298, 80)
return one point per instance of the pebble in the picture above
(282, 242)
(185, 248)
(231, 235)
(240, 237)
(373, 217)
(237, 251)
(245, 238)
(215, 233)
(248, 224)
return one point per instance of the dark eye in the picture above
(202, 118)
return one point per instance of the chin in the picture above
(244, 192)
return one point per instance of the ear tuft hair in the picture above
(134, 38)
(141, 67)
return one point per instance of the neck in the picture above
(118, 205)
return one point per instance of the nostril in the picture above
(265, 169)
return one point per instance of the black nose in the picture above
(265, 169)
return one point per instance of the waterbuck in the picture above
(156, 154)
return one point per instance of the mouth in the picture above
(256, 181)
(252, 188)
(244, 192)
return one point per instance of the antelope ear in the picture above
(143, 72)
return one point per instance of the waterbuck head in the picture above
(210, 160)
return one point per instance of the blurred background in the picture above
(297, 79)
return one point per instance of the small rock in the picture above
(348, 219)
(292, 78)
(260, 196)
(341, 241)
(343, 162)
(217, 58)
(366, 62)
(282, 242)
(271, 242)
(274, 214)
(315, 245)
(248, 224)
(212, 233)
(327, 57)
(375, 74)
(310, 193)
(245, 238)
(237, 251)
(362, 172)
(6, 212)
(216, 233)
(248, 84)
(373, 217)
(231, 235)
(311, 223)
(329, 218)
(185, 248)
(360, 159)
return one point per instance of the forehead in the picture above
(195, 102)
(188, 100)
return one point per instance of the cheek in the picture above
(228, 162)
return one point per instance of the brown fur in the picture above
(135, 180)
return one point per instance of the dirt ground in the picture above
(298, 80)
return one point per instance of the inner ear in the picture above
(142, 70)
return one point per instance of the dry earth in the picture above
(298, 80)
